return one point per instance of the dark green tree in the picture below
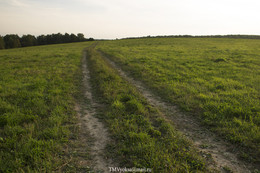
(12, 41)
(90, 39)
(49, 39)
(58, 38)
(2, 43)
(28, 40)
(81, 37)
(42, 40)
(73, 38)
(66, 38)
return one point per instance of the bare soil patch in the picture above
(92, 131)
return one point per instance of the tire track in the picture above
(220, 155)
(90, 124)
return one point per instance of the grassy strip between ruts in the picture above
(143, 138)
(37, 85)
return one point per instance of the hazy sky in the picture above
(127, 18)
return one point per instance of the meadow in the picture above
(142, 137)
(215, 79)
(37, 88)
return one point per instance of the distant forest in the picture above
(200, 36)
(14, 41)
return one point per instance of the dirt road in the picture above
(220, 154)
(89, 123)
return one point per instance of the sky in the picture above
(111, 19)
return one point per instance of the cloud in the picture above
(18, 3)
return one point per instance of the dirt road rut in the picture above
(89, 123)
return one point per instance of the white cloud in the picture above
(18, 3)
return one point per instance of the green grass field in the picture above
(142, 137)
(217, 79)
(214, 79)
(37, 85)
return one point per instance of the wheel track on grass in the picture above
(90, 124)
(220, 155)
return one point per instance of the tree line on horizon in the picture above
(14, 41)
(199, 36)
